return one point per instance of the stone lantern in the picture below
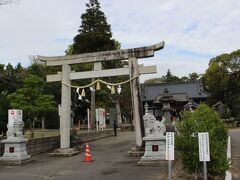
(166, 99)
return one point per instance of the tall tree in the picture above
(193, 76)
(169, 77)
(222, 78)
(94, 35)
(216, 79)
(41, 70)
(11, 78)
(31, 100)
(4, 106)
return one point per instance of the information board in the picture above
(102, 123)
(100, 118)
(203, 144)
(170, 146)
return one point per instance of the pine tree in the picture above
(94, 33)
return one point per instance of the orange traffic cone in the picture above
(87, 154)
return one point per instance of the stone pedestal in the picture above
(155, 148)
(155, 151)
(15, 152)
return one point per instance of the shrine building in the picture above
(180, 95)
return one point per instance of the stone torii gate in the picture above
(133, 70)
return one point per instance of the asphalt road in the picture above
(235, 141)
(111, 162)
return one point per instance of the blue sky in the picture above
(194, 31)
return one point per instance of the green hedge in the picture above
(203, 119)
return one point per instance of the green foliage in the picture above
(41, 70)
(204, 119)
(184, 78)
(169, 77)
(153, 80)
(10, 79)
(31, 99)
(193, 76)
(94, 33)
(216, 80)
(4, 106)
(69, 50)
(223, 80)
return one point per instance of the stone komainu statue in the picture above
(16, 130)
(152, 126)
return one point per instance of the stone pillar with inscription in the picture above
(15, 152)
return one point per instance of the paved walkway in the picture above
(235, 139)
(111, 162)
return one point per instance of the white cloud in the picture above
(194, 31)
(199, 26)
(37, 27)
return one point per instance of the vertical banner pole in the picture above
(88, 120)
(205, 169)
(204, 151)
(169, 170)
(170, 152)
(97, 118)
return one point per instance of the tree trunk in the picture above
(43, 123)
(31, 131)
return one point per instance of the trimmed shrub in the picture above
(203, 119)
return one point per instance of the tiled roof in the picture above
(190, 89)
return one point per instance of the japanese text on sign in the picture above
(203, 144)
(170, 146)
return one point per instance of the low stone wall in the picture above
(78, 139)
(1, 149)
(47, 144)
(41, 145)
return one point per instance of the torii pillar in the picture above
(65, 119)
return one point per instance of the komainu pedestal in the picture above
(155, 148)
(15, 152)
